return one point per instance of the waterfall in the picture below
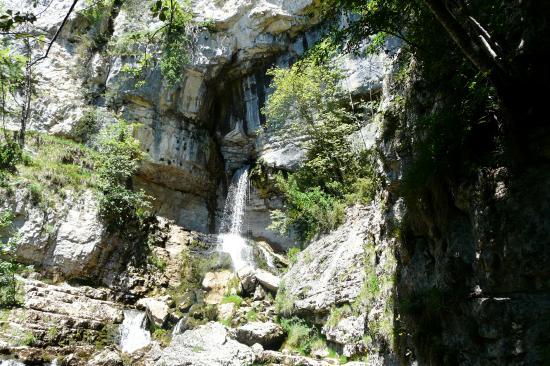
(231, 239)
(133, 331)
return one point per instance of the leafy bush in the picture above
(310, 108)
(118, 159)
(301, 337)
(86, 126)
(8, 266)
(307, 211)
(10, 156)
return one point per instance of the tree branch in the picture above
(56, 34)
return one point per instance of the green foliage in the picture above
(309, 107)
(10, 156)
(252, 315)
(284, 303)
(308, 211)
(118, 159)
(235, 299)
(292, 255)
(87, 126)
(162, 336)
(301, 337)
(11, 77)
(96, 10)
(156, 261)
(8, 266)
(171, 36)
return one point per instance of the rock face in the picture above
(330, 271)
(57, 314)
(69, 239)
(208, 345)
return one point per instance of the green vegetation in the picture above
(119, 156)
(301, 337)
(162, 336)
(292, 255)
(284, 303)
(8, 266)
(252, 315)
(170, 38)
(235, 299)
(310, 107)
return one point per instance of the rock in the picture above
(248, 278)
(259, 293)
(226, 311)
(208, 345)
(156, 310)
(267, 280)
(270, 335)
(107, 357)
(218, 284)
(282, 358)
(186, 301)
(311, 281)
(257, 349)
(348, 332)
(53, 313)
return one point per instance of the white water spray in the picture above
(231, 239)
(133, 331)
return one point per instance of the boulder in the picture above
(248, 279)
(268, 334)
(208, 345)
(348, 333)
(226, 311)
(157, 310)
(259, 293)
(267, 280)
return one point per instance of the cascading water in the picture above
(133, 331)
(231, 239)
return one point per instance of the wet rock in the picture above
(270, 335)
(208, 345)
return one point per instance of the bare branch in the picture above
(56, 34)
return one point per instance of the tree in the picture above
(505, 40)
(310, 107)
(17, 25)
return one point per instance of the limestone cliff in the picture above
(459, 279)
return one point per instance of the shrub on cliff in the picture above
(119, 156)
(310, 108)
